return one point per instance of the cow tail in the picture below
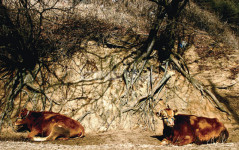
(82, 133)
(224, 136)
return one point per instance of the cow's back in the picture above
(208, 129)
(47, 120)
(195, 129)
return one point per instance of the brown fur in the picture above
(48, 125)
(187, 129)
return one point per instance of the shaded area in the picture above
(160, 138)
(227, 101)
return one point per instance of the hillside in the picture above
(87, 69)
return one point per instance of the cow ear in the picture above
(175, 111)
(162, 113)
(157, 114)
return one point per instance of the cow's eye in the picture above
(22, 116)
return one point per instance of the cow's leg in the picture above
(165, 142)
(57, 131)
(32, 134)
(185, 140)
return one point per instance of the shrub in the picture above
(228, 10)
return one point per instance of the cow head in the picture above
(167, 116)
(21, 121)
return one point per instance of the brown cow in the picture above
(48, 125)
(185, 129)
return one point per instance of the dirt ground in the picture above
(108, 140)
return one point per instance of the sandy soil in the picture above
(107, 140)
(41, 146)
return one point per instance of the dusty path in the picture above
(116, 140)
(10, 145)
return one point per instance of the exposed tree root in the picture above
(205, 92)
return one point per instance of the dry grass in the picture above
(131, 14)
(209, 22)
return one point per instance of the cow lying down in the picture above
(185, 129)
(47, 125)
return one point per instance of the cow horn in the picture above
(163, 113)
